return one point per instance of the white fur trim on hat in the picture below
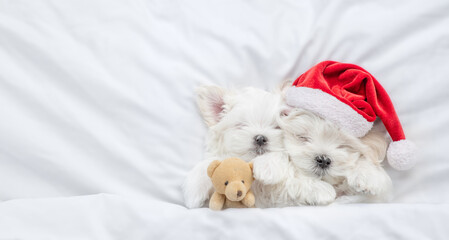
(330, 108)
(401, 155)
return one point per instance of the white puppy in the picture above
(242, 123)
(280, 183)
(319, 149)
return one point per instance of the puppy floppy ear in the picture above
(212, 166)
(291, 119)
(376, 140)
(283, 86)
(286, 110)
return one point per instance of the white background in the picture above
(98, 126)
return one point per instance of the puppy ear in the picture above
(212, 166)
(376, 141)
(210, 100)
(283, 86)
(292, 118)
(286, 110)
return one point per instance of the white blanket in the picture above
(98, 125)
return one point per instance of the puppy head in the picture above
(242, 123)
(320, 148)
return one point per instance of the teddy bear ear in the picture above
(251, 165)
(212, 166)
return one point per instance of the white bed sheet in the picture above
(98, 126)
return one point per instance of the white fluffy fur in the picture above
(281, 184)
(356, 162)
(286, 176)
(277, 184)
(328, 107)
(234, 118)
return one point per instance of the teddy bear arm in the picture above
(217, 201)
(249, 199)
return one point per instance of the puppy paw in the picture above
(270, 168)
(197, 187)
(322, 194)
(311, 192)
(192, 200)
(370, 181)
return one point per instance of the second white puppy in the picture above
(321, 150)
(322, 162)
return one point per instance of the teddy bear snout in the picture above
(235, 191)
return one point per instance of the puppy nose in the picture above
(239, 193)
(260, 140)
(323, 161)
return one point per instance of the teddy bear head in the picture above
(232, 177)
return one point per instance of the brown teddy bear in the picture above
(232, 179)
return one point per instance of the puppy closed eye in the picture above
(240, 125)
(344, 146)
(302, 138)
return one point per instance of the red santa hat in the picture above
(352, 98)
